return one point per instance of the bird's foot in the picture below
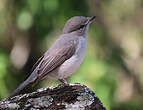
(63, 81)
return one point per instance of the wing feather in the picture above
(54, 59)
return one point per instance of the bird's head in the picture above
(78, 24)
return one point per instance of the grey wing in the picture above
(55, 58)
(38, 61)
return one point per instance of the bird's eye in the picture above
(81, 26)
(77, 28)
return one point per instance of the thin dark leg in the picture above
(63, 81)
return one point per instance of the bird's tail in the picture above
(29, 80)
(19, 88)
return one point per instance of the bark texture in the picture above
(62, 97)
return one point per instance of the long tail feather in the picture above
(20, 87)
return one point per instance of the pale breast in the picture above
(71, 65)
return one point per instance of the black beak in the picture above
(90, 19)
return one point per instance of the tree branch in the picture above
(62, 97)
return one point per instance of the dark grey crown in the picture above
(74, 24)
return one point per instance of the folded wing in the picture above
(55, 58)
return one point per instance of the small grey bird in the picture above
(64, 56)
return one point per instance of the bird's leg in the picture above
(63, 81)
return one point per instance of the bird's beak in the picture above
(90, 19)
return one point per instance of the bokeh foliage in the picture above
(112, 66)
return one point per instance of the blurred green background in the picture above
(113, 63)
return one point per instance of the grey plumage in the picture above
(64, 56)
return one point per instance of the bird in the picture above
(64, 56)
